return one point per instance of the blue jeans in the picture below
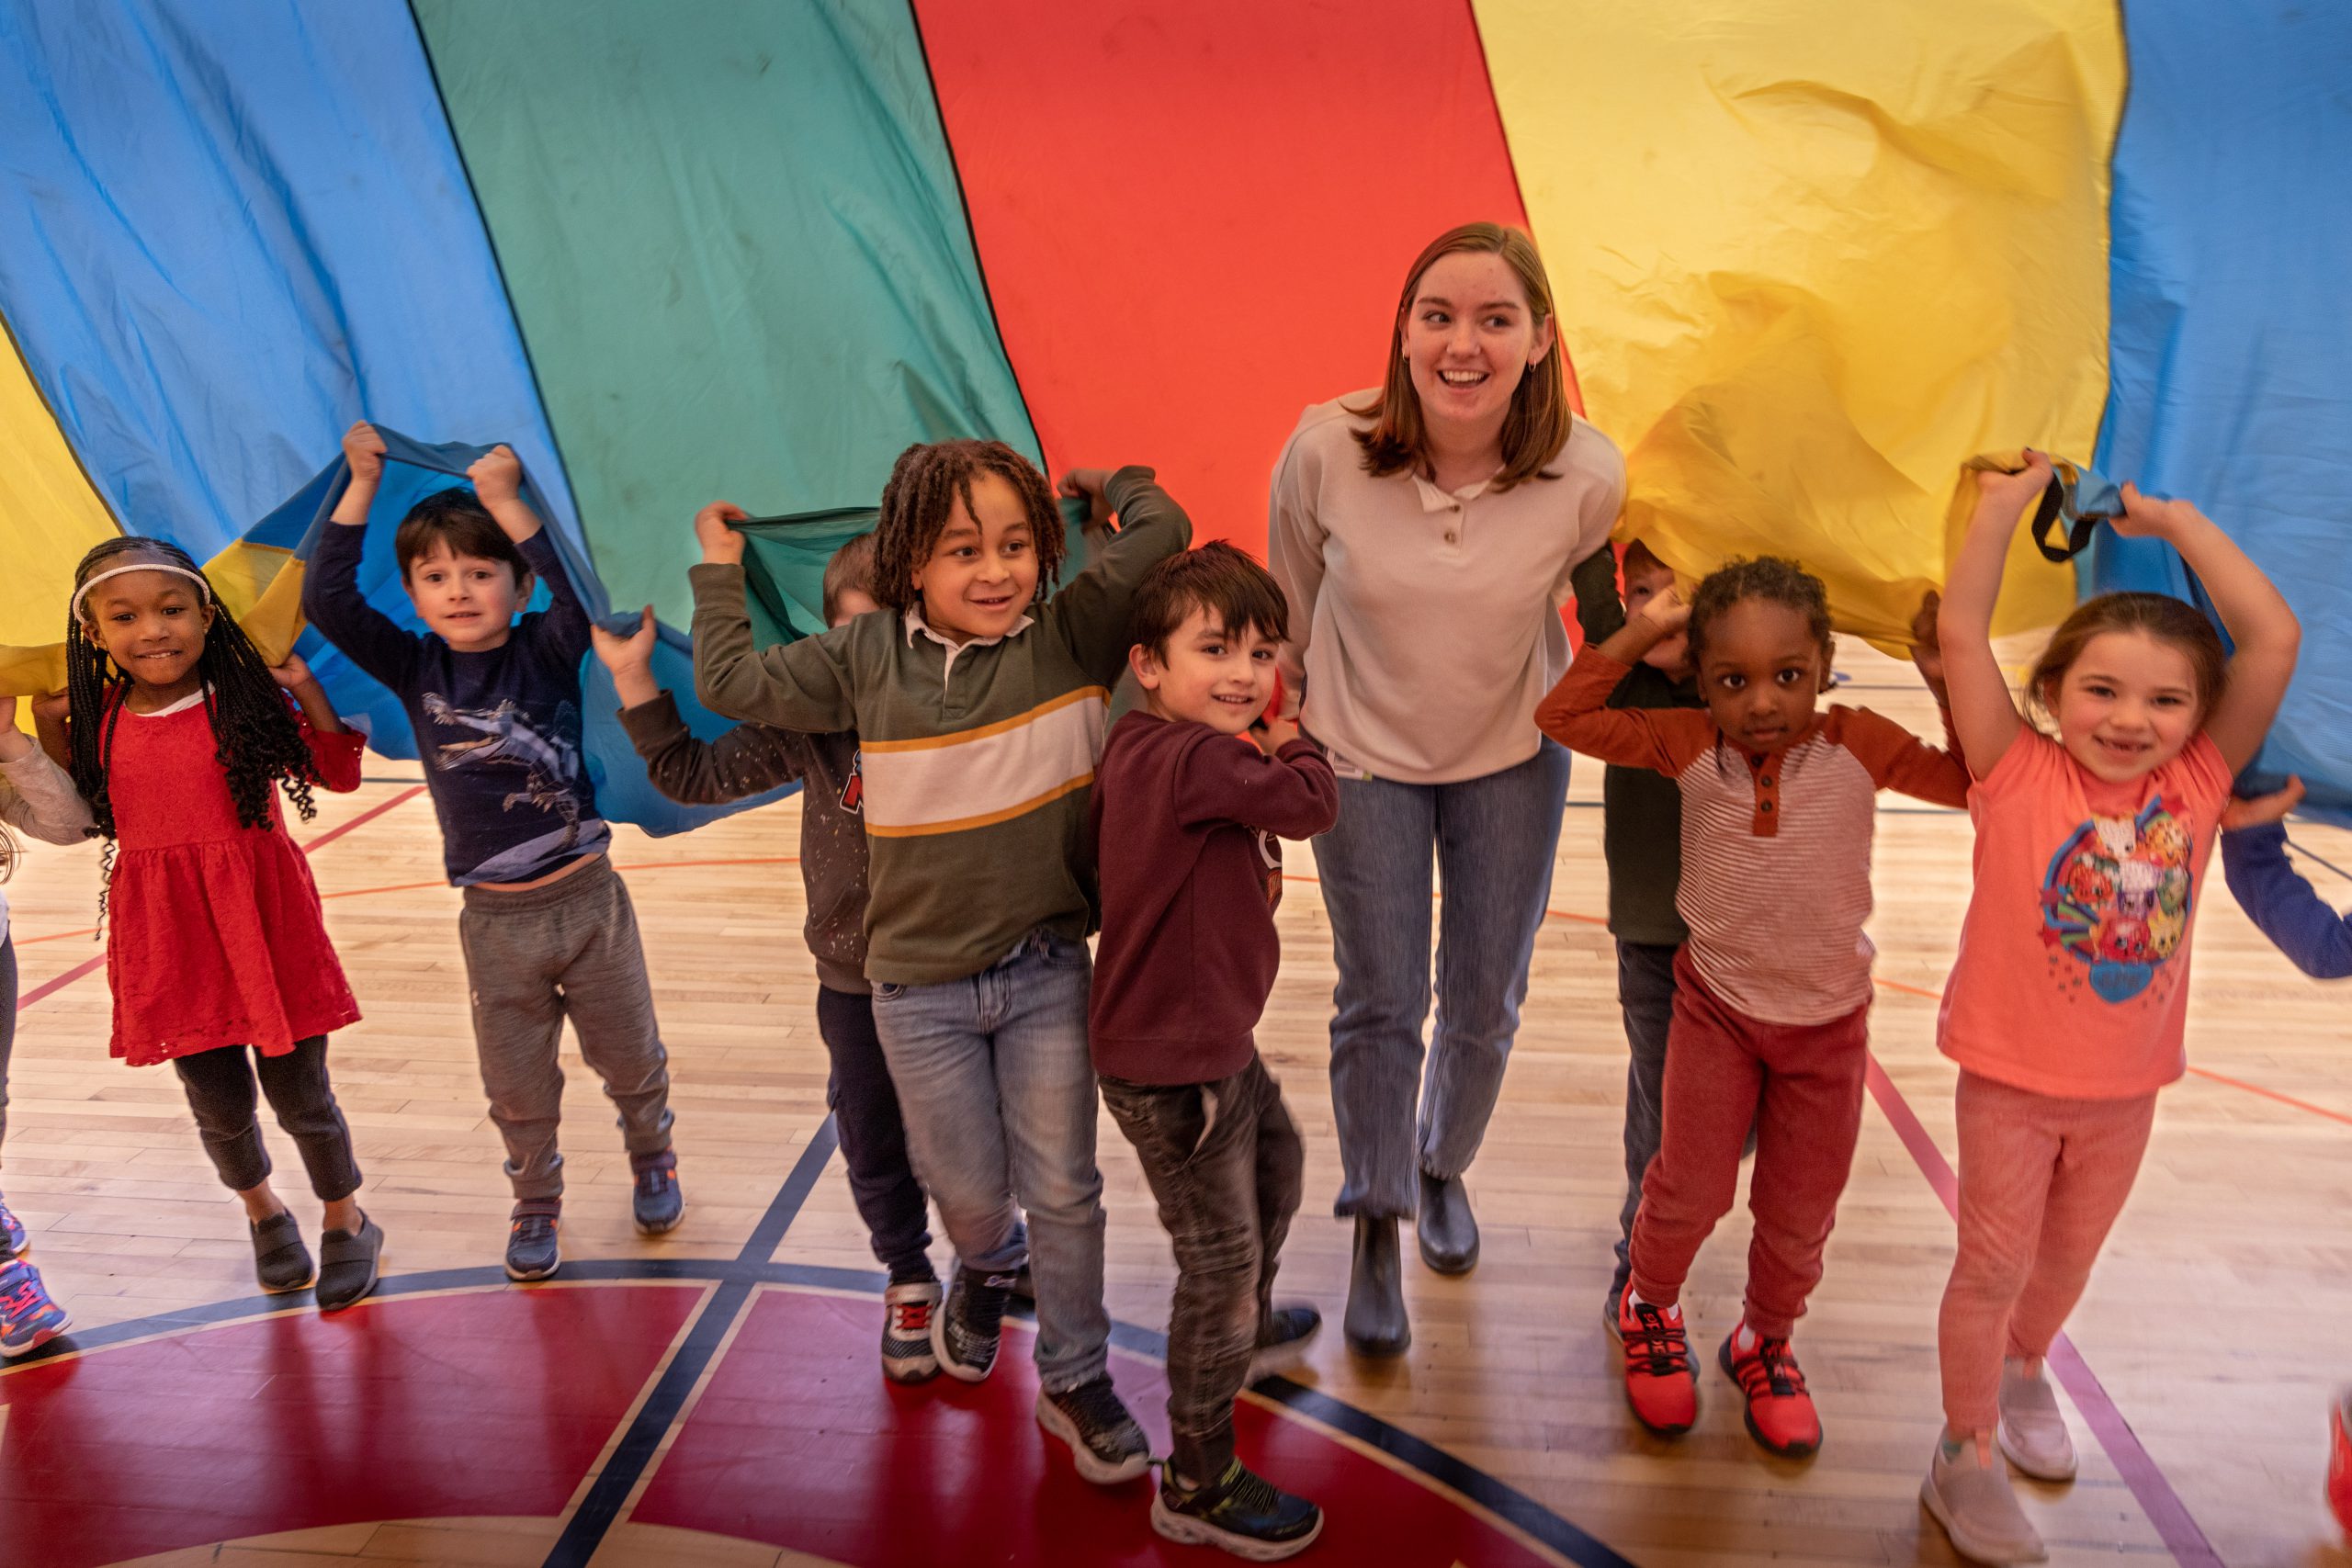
(998, 1093)
(1494, 840)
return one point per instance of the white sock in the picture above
(1743, 1338)
(1634, 1303)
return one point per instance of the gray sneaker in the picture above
(1971, 1496)
(1105, 1444)
(2032, 1433)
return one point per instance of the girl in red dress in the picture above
(180, 734)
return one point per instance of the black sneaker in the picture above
(349, 1262)
(280, 1261)
(1104, 1441)
(532, 1250)
(1282, 1343)
(1240, 1511)
(965, 1332)
(657, 1204)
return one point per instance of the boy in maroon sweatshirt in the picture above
(1191, 869)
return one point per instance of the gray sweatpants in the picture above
(533, 958)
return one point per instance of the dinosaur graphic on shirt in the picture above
(550, 764)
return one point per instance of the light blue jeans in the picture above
(998, 1092)
(1494, 838)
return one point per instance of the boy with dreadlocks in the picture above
(179, 734)
(980, 704)
(548, 930)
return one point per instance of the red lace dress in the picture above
(214, 931)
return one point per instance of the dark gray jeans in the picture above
(533, 958)
(221, 1088)
(1646, 996)
(1225, 1164)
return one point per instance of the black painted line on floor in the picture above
(768, 1235)
(737, 1277)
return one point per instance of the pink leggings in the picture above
(2041, 1180)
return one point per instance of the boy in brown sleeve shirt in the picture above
(1190, 871)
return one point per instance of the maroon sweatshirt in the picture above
(1191, 869)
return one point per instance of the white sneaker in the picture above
(906, 1312)
(2032, 1433)
(1972, 1498)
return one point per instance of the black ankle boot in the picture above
(1448, 1230)
(1376, 1325)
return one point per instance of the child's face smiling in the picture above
(153, 624)
(2126, 705)
(467, 602)
(1210, 675)
(982, 572)
(1760, 673)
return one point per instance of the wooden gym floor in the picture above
(716, 1386)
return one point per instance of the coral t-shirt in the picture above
(2072, 974)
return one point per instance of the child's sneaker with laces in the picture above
(1660, 1383)
(2032, 1433)
(1779, 1412)
(1283, 1342)
(656, 1203)
(2339, 1463)
(1969, 1494)
(1105, 1444)
(29, 1318)
(534, 1246)
(15, 1242)
(964, 1331)
(1240, 1511)
(908, 1310)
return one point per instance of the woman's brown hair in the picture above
(1537, 426)
(2159, 616)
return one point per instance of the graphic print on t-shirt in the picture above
(2116, 899)
(506, 736)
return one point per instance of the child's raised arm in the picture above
(1577, 712)
(2296, 919)
(331, 597)
(1090, 613)
(2266, 635)
(364, 450)
(803, 685)
(1984, 716)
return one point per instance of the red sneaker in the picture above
(1779, 1412)
(1660, 1383)
(2339, 1463)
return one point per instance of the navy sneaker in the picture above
(532, 1250)
(964, 1333)
(1240, 1511)
(281, 1263)
(657, 1204)
(1104, 1441)
(1282, 1343)
(14, 1240)
(29, 1318)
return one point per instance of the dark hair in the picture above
(456, 518)
(850, 567)
(1774, 579)
(926, 482)
(1640, 558)
(256, 738)
(2158, 615)
(1540, 420)
(1222, 579)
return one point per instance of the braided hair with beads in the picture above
(926, 482)
(257, 741)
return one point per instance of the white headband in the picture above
(74, 610)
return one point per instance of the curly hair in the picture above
(926, 482)
(1774, 579)
(2168, 620)
(257, 740)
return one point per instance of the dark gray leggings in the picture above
(221, 1090)
(7, 1022)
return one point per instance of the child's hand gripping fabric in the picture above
(713, 531)
(631, 657)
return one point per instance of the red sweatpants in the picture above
(1800, 1086)
(2041, 1180)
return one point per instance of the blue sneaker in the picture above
(532, 1250)
(657, 1204)
(14, 1241)
(29, 1318)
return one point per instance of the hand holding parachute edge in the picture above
(363, 448)
(623, 653)
(2244, 811)
(721, 544)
